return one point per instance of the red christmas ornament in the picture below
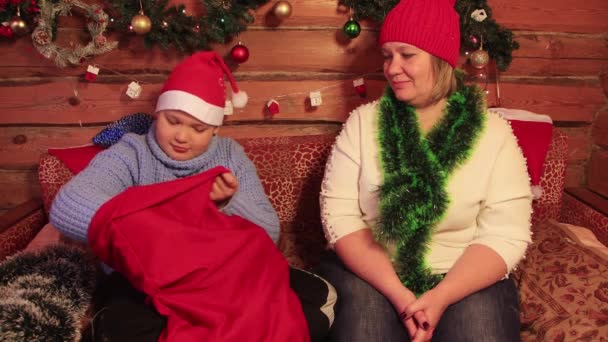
(273, 106)
(6, 32)
(473, 40)
(239, 53)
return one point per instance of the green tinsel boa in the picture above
(416, 169)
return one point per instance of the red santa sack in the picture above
(215, 277)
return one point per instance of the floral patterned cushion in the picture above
(563, 289)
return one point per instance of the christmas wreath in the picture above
(477, 28)
(42, 37)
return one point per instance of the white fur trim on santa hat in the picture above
(191, 104)
(239, 100)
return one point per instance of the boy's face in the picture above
(181, 136)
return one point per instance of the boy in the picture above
(181, 142)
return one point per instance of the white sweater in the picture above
(489, 194)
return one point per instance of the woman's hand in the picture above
(223, 188)
(432, 303)
(417, 324)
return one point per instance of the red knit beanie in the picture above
(430, 25)
(196, 86)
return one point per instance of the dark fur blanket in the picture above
(45, 295)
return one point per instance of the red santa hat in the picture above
(533, 133)
(196, 86)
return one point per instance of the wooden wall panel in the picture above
(17, 186)
(597, 178)
(284, 50)
(563, 100)
(323, 50)
(47, 100)
(587, 16)
(579, 143)
(600, 129)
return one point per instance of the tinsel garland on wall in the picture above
(475, 31)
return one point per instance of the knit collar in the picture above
(413, 198)
(181, 168)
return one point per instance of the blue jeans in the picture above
(365, 315)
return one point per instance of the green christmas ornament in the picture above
(352, 28)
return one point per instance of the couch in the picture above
(563, 286)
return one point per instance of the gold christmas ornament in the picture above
(141, 23)
(479, 59)
(18, 25)
(282, 9)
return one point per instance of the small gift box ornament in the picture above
(91, 74)
(133, 90)
(228, 108)
(360, 87)
(315, 98)
(273, 107)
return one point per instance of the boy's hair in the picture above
(196, 87)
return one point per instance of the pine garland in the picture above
(171, 26)
(416, 169)
(497, 40)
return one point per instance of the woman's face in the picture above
(409, 71)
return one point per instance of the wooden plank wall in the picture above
(564, 47)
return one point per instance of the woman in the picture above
(426, 200)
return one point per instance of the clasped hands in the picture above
(224, 187)
(420, 316)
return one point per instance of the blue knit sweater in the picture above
(139, 160)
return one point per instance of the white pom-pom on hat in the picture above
(239, 99)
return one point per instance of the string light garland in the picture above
(476, 23)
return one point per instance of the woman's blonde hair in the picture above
(445, 80)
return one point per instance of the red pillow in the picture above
(76, 158)
(533, 133)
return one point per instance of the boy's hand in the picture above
(224, 186)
